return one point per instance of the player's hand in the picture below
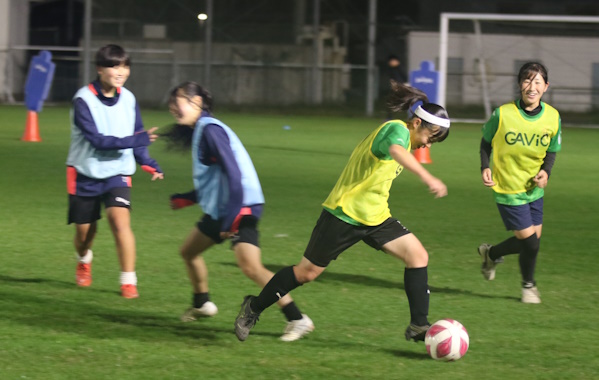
(541, 179)
(153, 136)
(177, 202)
(487, 176)
(437, 187)
(226, 235)
(157, 175)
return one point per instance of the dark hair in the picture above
(189, 90)
(111, 56)
(530, 69)
(403, 97)
(178, 137)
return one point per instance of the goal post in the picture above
(476, 18)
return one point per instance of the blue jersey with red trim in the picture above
(107, 138)
(224, 176)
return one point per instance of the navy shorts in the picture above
(332, 236)
(516, 218)
(85, 210)
(247, 233)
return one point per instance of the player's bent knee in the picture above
(304, 275)
(251, 271)
(417, 259)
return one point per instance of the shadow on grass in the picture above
(409, 354)
(48, 281)
(330, 277)
(31, 305)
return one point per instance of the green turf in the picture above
(50, 329)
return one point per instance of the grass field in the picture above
(50, 329)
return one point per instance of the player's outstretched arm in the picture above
(407, 160)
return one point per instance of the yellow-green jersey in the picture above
(520, 143)
(360, 196)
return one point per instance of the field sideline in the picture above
(50, 329)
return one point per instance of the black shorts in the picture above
(331, 236)
(248, 230)
(84, 210)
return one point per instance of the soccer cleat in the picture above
(83, 274)
(208, 309)
(297, 329)
(416, 333)
(129, 291)
(246, 319)
(488, 266)
(531, 295)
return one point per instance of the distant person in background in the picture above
(357, 209)
(227, 188)
(524, 137)
(107, 139)
(395, 74)
(395, 70)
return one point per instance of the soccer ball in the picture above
(446, 340)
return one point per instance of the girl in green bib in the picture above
(523, 137)
(357, 210)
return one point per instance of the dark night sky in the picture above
(59, 22)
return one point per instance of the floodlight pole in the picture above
(443, 42)
(370, 58)
(87, 36)
(482, 68)
(317, 55)
(208, 42)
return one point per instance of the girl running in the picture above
(357, 209)
(229, 192)
(107, 139)
(524, 137)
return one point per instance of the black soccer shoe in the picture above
(416, 333)
(246, 319)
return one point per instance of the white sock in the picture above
(87, 259)
(128, 278)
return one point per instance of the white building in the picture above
(573, 65)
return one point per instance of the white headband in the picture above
(430, 118)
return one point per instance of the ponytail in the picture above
(178, 137)
(403, 97)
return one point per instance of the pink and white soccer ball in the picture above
(447, 340)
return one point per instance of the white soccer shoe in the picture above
(531, 295)
(297, 329)
(208, 309)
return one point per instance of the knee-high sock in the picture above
(416, 287)
(507, 247)
(528, 258)
(282, 283)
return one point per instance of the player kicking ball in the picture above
(357, 210)
(227, 188)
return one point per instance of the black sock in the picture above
(528, 259)
(200, 299)
(416, 287)
(507, 247)
(292, 312)
(282, 283)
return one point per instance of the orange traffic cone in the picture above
(32, 130)
(423, 155)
